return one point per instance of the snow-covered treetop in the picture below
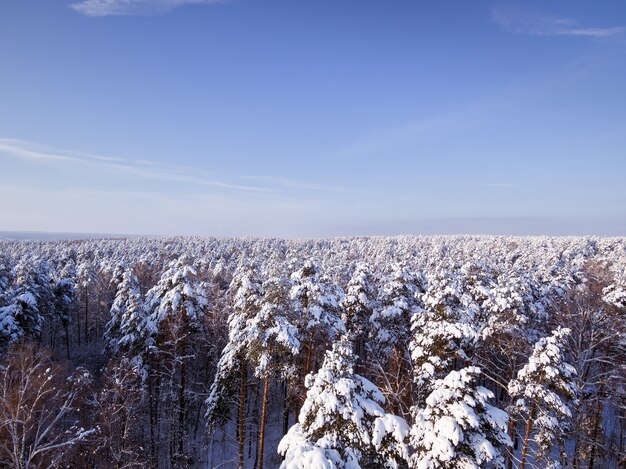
(316, 300)
(342, 423)
(547, 373)
(360, 300)
(543, 389)
(396, 304)
(458, 427)
(271, 334)
(178, 294)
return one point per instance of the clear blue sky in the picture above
(301, 117)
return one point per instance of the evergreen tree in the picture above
(390, 329)
(342, 423)
(19, 318)
(64, 297)
(232, 369)
(391, 319)
(6, 279)
(357, 308)
(442, 331)
(86, 277)
(540, 396)
(177, 299)
(128, 325)
(458, 428)
(177, 306)
(316, 303)
(30, 295)
(273, 342)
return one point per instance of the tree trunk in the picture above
(78, 327)
(157, 412)
(242, 412)
(309, 353)
(67, 338)
(181, 407)
(266, 387)
(285, 408)
(210, 457)
(512, 425)
(529, 428)
(86, 319)
(152, 416)
(596, 431)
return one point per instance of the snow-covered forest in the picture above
(400, 352)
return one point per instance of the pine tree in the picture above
(176, 306)
(6, 279)
(19, 318)
(86, 276)
(540, 396)
(457, 428)
(273, 342)
(390, 330)
(128, 316)
(357, 308)
(64, 296)
(316, 303)
(232, 369)
(342, 423)
(30, 295)
(136, 330)
(392, 318)
(442, 331)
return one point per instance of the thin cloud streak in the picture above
(143, 168)
(517, 20)
(98, 8)
(303, 185)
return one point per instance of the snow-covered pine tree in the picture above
(357, 308)
(176, 305)
(177, 299)
(86, 276)
(30, 296)
(19, 318)
(127, 297)
(316, 302)
(540, 396)
(117, 275)
(390, 329)
(273, 342)
(391, 320)
(614, 294)
(64, 296)
(6, 279)
(342, 424)
(129, 330)
(458, 428)
(232, 369)
(441, 331)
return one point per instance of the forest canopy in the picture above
(397, 352)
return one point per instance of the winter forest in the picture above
(398, 352)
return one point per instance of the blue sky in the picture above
(313, 118)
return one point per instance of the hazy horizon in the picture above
(433, 227)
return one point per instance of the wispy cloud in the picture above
(132, 7)
(301, 185)
(518, 20)
(140, 168)
(274, 186)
